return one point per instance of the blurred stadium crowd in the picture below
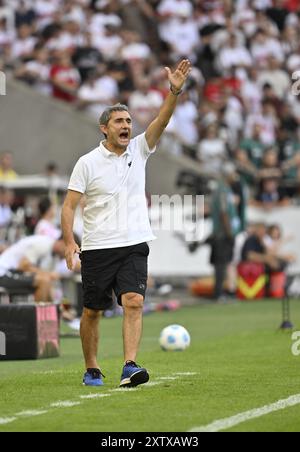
(238, 105)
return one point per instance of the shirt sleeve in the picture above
(142, 146)
(78, 181)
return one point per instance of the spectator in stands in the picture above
(251, 92)
(270, 96)
(25, 14)
(253, 146)
(275, 76)
(7, 13)
(7, 171)
(46, 224)
(268, 121)
(86, 57)
(144, 104)
(37, 71)
(23, 47)
(185, 121)
(134, 49)
(245, 167)
(183, 35)
(6, 36)
(289, 157)
(226, 226)
(263, 46)
(110, 43)
(65, 79)
(212, 150)
(119, 71)
(270, 166)
(270, 195)
(97, 93)
(45, 11)
(278, 13)
(234, 54)
(170, 12)
(20, 266)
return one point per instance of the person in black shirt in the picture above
(255, 251)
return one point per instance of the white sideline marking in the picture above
(225, 424)
(7, 420)
(94, 396)
(125, 390)
(64, 404)
(187, 374)
(30, 413)
(167, 378)
(152, 383)
(70, 403)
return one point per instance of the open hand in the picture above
(178, 78)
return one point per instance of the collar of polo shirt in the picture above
(108, 153)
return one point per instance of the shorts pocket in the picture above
(141, 271)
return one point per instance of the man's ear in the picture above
(103, 129)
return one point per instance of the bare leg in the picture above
(89, 332)
(132, 324)
(43, 288)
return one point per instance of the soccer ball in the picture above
(174, 338)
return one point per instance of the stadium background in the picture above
(124, 46)
(238, 107)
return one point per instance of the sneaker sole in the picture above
(139, 378)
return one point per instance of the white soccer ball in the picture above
(174, 338)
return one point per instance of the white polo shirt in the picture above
(116, 214)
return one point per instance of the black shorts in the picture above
(14, 280)
(118, 270)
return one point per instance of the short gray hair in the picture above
(106, 115)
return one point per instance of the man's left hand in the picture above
(179, 77)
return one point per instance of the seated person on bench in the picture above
(256, 251)
(20, 266)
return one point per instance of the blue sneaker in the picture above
(93, 377)
(133, 375)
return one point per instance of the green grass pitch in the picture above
(238, 361)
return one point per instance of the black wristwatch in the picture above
(176, 93)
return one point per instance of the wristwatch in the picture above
(175, 92)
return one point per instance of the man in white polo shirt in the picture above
(116, 228)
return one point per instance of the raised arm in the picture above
(177, 79)
(67, 222)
